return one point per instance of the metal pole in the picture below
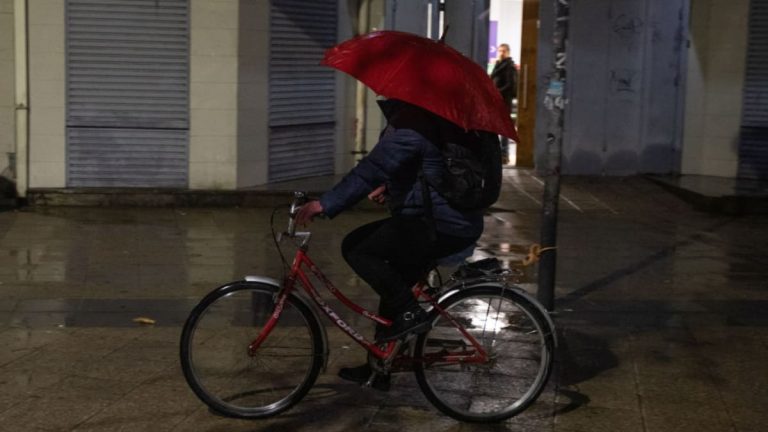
(21, 59)
(555, 102)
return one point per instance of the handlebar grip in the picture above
(299, 199)
(291, 226)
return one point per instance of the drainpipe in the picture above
(21, 60)
(361, 100)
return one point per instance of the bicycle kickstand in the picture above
(369, 383)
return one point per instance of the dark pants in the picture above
(391, 255)
(505, 140)
(504, 150)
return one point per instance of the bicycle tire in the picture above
(522, 342)
(216, 336)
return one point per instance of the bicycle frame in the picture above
(297, 272)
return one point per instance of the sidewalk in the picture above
(661, 311)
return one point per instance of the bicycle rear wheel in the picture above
(519, 343)
(218, 367)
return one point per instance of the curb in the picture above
(118, 197)
(736, 204)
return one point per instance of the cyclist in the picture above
(392, 254)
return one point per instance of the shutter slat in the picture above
(127, 93)
(753, 143)
(302, 94)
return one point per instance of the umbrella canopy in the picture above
(425, 73)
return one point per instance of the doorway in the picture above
(516, 23)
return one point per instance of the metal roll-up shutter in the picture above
(753, 145)
(127, 93)
(302, 102)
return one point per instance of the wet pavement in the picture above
(662, 313)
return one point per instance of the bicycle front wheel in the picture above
(519, 344)
(217, 363)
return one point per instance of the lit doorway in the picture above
(504, 29)
(515, 23)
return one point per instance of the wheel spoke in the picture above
(223, 372)
(518, 349)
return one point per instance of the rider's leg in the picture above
(393, 253)
(385, 312)
(391, 256)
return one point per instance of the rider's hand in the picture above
(308, 211)
(379, 195)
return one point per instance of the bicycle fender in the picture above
(301, 299)
(514, 288)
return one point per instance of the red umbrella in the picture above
(426, 73)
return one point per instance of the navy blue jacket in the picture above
(396, 161)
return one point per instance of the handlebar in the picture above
(299, 199)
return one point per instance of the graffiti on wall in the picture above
(623, 81)
(628, 29)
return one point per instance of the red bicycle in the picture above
(254, 348)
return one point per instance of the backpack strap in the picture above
(426, 199)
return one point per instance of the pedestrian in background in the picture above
(504, 76)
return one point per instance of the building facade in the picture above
(194, 94)
(228, 94)
(659, 87)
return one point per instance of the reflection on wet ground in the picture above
(661, 314)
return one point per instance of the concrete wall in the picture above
(252, 93)
(468, 33)
(716, 67)
(410, 16)
(213, 66)
(6, 86)
(625, 75)
(47, 84)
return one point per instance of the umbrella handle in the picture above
(445, 31)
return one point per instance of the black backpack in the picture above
(472, 178)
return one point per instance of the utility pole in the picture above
(555, 102)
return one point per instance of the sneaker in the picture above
(361, 374)
(415, 321)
